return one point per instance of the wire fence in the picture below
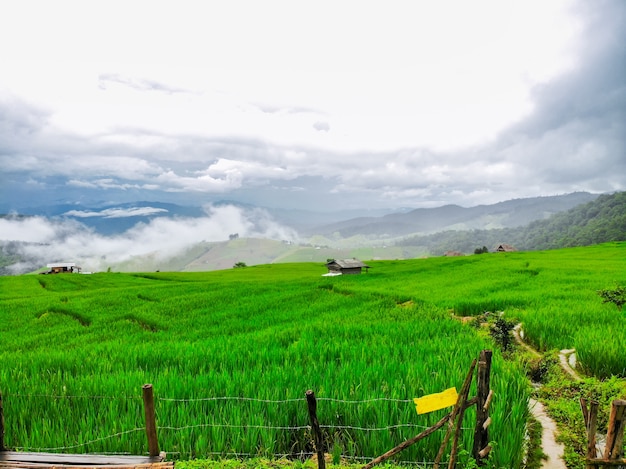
(217, 399)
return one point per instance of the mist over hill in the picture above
(148, 236)
(508, 214)
(599, 221)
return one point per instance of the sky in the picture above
(323, 105)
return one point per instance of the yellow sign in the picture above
(437, 401)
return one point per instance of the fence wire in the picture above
(215, 425)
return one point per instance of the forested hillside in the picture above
(599, 221)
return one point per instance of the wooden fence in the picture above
(614, 444)
(154, 460)
(453, 420)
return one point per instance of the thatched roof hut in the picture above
(346, 266)
(505, 248)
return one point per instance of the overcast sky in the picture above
(320, 105)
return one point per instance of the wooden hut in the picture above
(505, 248)
(346, 266)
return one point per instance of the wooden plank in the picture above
(585, 411)
(606, 462)
(76, 459)
(459, 422)
(24, 465)
(592, 428)
(409, 442)
(614, 436)
(483, 391)
(459, 405)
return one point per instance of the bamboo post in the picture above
(615, 435)
(590, 415)
(1, 424)
(484, 395)
(460, 404)
(151, 430)
(459, 421)
(315, 427)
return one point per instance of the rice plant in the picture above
(76, 350)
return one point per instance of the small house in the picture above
(62, 268)
(505, 248)
(346, 266)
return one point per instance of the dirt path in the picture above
(567, 359)
(552, 449)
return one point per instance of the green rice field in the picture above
(231, 353)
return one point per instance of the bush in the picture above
(501, 333)
(616, 296)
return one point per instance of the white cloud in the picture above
(401, 101)
(162, 238)
(115, 212)
(321, 126)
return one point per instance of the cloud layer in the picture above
(41, 240)
(367, 106)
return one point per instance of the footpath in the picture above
(549, 445)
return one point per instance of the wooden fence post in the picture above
(615, 434)
(590, 415)
(459, 408)
(151, 432)
(1, 424)
(315, 427)
(484, 396)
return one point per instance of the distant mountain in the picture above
(527, 224)
(512, 213)
(108, 219)
(599, 221)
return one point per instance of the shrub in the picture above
(616, 296)
(501, 333)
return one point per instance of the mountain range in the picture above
(273, 235)
(108, 219)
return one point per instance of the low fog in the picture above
(42, 240)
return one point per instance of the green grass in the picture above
(271, 332)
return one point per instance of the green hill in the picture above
(600, 221)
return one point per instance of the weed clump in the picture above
(617, 296)
(501, 333)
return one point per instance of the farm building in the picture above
(346, 266)
(62, 268)
(505, 248)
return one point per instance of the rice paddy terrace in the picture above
(231, 353)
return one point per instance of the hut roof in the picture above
(348, 263)
(505, 248)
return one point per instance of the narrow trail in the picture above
(567, 358)
(549, 446)
(552, 449)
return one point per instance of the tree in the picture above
(239, 265)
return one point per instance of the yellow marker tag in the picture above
(437, 401)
